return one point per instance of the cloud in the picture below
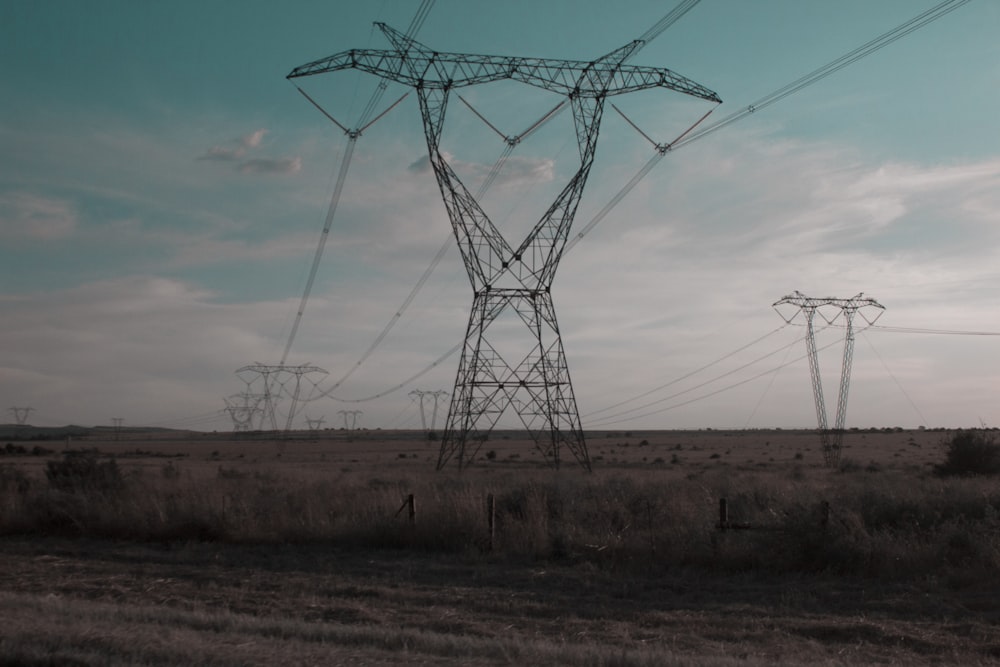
(284, 165)
(421, 165)
(236, 151)
(26, 215)
(515, 171)
(253, 139)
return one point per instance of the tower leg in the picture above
(532, 376)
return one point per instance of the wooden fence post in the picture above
(410, 505)
(723, 514)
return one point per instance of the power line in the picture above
(938, 332)
(711, 393)
(688, 137)
(511, 142)
(923, 419)
(866, 49)
(795, 86)
(686, 375)
(701, 384)
(352, 137)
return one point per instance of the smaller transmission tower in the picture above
(315, 424)
(422, 394)
(273, 381)
(831, 310)
(242, 409)
(351, 418)
(21, 415)
(117, 421)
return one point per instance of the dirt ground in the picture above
(317, 605)
(790, 620)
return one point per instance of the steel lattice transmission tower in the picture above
(422, 394)
(274, 380)
(21, 415)
(242, 409)
(351, 418)
(117, 421)
(831, 310)
(511, 284)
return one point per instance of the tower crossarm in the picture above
(413, 64)
(855, 303)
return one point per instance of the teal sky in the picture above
(163, 187)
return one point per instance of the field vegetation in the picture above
(924, 524)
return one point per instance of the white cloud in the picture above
(515, 170)
(31, 216)
(253, 139)
(683, 271)
(236, 151)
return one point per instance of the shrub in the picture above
(82, 473)
(973, 452)
(12, 479)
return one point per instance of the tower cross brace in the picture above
(510, 284)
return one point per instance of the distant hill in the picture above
(29, 432)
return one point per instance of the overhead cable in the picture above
(703, 384)
(690, 135)
(795, 86)
(687, 375)
(657, 29)
(609, 420)
(364, 122)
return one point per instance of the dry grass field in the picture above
(169, 548)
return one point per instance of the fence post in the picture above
(723, 514)
(824, 517)
(491, 518)
(411, 508)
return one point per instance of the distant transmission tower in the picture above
(117, 421)
(271, 381)
(21, 415)
(510, 284)
(351, 418)
(422, 394)
(242, 408)
(315, 424)
(830, 309)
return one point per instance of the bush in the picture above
(974, 452)
(82, 473)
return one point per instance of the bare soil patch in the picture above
(385, 594)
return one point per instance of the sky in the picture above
(163, 189)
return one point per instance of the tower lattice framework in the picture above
(831, 309)
(511, 284)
